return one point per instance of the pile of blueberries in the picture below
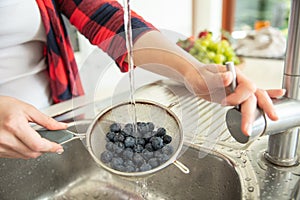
(136, 149)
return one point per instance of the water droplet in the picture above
(96, 195)
(250, 188)
(248, 179)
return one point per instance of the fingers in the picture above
(40, 118)
(25, 143)
(241, 94)
(12, 147)
(276, 93)
(17, 138)
(36, 143)
(265, 103)
(248, 109)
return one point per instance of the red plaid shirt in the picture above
(101, 21)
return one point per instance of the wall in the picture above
(207, 15)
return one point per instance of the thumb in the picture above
(227, 78)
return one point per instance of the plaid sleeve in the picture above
(101, 21)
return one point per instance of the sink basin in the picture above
(74, 175)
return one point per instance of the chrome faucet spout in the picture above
(291, 78)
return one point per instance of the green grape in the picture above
(213, 46)
(193, 51)
(236, 60)
(219, 59)
(211, 54)
(225, 44)
(206, 50)
(229, 52)
(220, 48)
(204, 42)
(206, 61)
(199, 47)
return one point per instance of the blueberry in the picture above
(140, 141)
(110, 136)
(109, 146)
(168, 150)
(147, 154)
(119, 137)
(147, 136)
(129, 142)
(163, 158)
(139, 123)
(118, 147)
(167, 139)
(129, 126)
(150, 126)
(126, 132)
(128, 163)
(142, 128)
(157, 143)
(120, 168)
(138, 159)
(145, 167)
(157, 154)
(153, 162)
(127, 154)
(161, 132)
(138, 148)
(117, 161)
(115, 127)
(149, 147)
(106, 156)
(129, 168)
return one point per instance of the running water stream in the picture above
(129, 47)
(141, 183)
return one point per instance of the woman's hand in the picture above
(211, 83)
(250, 97)
(17, 138)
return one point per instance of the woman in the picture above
(37, 66)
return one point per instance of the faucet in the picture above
(283, 133)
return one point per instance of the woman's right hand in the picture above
(17, 138)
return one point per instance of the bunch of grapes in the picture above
(207, 51)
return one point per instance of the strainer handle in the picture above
(62, 136)
(58, 136)
(181, 166)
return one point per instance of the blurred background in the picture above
(256, 29)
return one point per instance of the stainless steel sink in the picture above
(229, 170)
(74, 175)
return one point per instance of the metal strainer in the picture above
(146, 111)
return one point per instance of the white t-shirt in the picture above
(23, 72)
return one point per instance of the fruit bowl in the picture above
(209, 51)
